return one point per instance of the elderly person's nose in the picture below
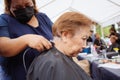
(84, 44)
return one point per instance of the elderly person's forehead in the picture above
(71, 21)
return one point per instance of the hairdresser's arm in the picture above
(11, 47)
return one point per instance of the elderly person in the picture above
(70, 32)
(22, 26)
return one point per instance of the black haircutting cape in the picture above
(54, 65)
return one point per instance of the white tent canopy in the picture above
(104, 12)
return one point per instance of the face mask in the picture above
(24, 15)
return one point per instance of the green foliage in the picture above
(106, 30)
(98, 29)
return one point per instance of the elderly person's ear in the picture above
(68, 33)
(65, 35)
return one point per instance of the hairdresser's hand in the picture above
(37, 42)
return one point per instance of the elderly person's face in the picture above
(77, 42)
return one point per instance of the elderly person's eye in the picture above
(84, 38)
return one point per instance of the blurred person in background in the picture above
(114, 44)
(90, 38)
(113, 31)
(99, 44)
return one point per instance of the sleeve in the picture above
(3, 27)
(4, 31)
(47, 20)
